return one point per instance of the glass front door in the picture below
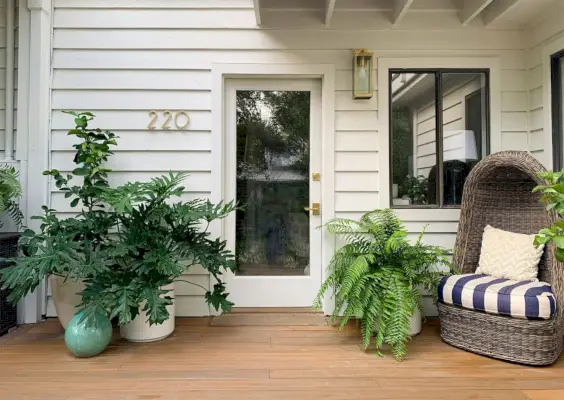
(272, 136)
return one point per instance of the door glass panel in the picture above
(272, 230)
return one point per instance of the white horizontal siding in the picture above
(3, 79)
(121, 59)
(539, 37)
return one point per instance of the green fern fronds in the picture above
(375, 277)
(10, 190)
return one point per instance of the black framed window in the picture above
(439, 130)
(557, 78)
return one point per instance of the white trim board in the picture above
(385, 64)
(547, 52)
(221, 72)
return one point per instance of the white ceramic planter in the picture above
(415, 324)
(140, 331)
(65, 297)
(415, 327)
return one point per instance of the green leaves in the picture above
(156, 239)
(375, 277)
(81, 172)
(10, 191)
(553, 196)
(155, 304)
(218, 298)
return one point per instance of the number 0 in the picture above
(177, 117)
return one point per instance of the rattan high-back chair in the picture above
(497, 192)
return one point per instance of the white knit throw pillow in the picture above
(509, 255)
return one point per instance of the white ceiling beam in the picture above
(471, 9)
(329, 8)
(257, 11)
(400, 8)
(497, 10)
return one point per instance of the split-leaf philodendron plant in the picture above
(126, 243)
(377, 274)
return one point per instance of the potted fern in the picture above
(10, 191)
(376, 277)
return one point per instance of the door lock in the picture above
(315, 208)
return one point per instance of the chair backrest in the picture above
(498, 193)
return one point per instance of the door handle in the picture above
(315, 208)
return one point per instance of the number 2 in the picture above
(168, 116)
(154, 116)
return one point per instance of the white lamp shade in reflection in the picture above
(459, 145)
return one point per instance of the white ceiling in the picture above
(404, 14)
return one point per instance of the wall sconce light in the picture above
(363, 66)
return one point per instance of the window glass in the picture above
(464, 130)
(413, 137)
(439, 131)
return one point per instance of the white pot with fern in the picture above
(377, 275)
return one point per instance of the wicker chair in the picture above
(498, 192)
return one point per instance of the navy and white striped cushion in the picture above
(518, 299)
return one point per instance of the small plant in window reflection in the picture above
(416, 189)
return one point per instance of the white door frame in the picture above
(326, 72)
(268, 290)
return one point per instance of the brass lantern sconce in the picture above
(363, 74)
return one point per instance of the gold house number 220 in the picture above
(179, 118)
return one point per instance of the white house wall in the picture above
(120, 59)
(539, 39)
(2, 77)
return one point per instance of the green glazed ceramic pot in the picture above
(88, 340)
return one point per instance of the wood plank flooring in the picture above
(261, 356)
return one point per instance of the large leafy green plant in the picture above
(73, 248)
(553, 196)
(157, 240)
(10, 190)
(377, 274)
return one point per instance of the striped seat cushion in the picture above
(518, 299)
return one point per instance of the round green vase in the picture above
(88, 339)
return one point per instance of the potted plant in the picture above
(72, 249)
(416, 189)
(10, 190)
(553, 196)
(376, 277)
(157, 241)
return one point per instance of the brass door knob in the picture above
(315, 208)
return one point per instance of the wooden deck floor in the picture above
(260, 357)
